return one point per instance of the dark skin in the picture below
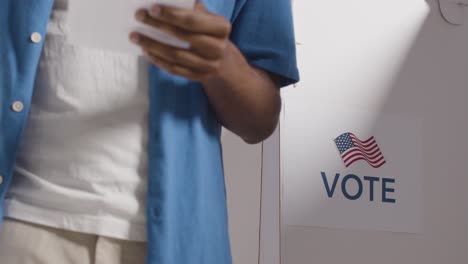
(246, 99)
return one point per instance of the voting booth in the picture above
(368, 164)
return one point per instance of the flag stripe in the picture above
(351, 160)
(363, 150)
(371, 158)
(364, 145)
(360, 141)
(352, 135)
(367, 147)
(356, 149)
(372, 165)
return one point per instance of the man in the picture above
(107, 158)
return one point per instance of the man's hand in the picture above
(245, 99)
(207, 33)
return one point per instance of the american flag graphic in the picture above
(352, 149)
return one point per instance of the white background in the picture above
(243, 171)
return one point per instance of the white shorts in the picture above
(26, 243)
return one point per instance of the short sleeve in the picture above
(263, 30)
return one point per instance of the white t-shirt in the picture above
(82, 163)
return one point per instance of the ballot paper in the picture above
(106, 24)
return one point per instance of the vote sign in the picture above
(352, 170)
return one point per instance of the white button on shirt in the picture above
(36, 37)
(17, 106)
(1, 179)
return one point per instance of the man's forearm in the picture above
(246, 100)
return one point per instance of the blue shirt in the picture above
(186, 207)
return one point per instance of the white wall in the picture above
(401, 58)
(243, 165)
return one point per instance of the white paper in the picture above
(106, 24)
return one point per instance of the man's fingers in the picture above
(174, 68)
(157, 48)
(177, 56)
(204, 45)
(195, 21)
(200, 6)
(206, 33)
